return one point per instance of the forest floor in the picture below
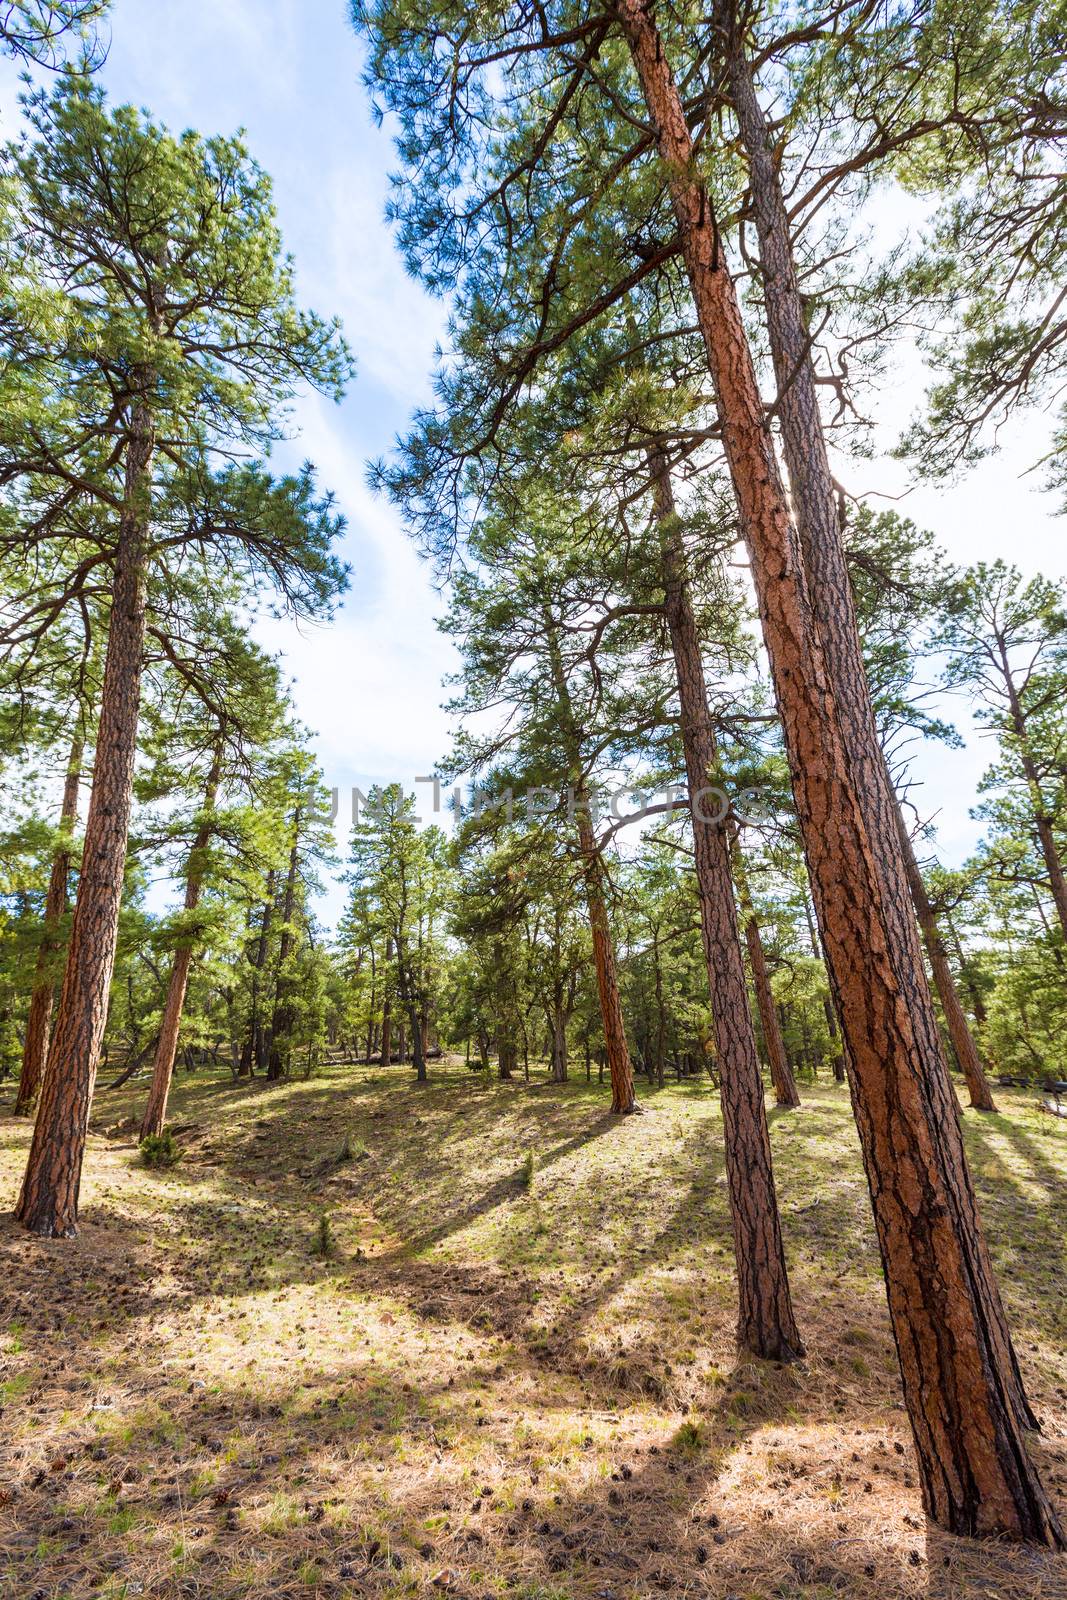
(490, 1390)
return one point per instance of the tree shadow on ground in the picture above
(1024, 1207)
(470, 1416)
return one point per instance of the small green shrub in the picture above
(323, 1244)
(352, 1149)
(526, 1171)
(690, 1438)
(159, 1150)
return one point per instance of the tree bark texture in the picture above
(620, 1067)
(766, 1324)
(830, 593)
(961, 1392)
(48, 1203)
(155, 1113)
(35, 1047)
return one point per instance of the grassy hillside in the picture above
(498, 1382)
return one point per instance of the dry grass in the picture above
(491, 1388)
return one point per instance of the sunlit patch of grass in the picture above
(690, 1439)
(567, 1349)
(281, 1513)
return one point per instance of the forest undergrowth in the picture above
(475, 1339)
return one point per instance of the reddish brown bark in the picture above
(155, 1112)
(766, 1324)
(35, 1049)
(962, 1402)
(620, 1067)
(963, 1042)
(830, 593)
(48, 1203)
(838, 1047)
(785, 1085)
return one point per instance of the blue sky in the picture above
(288, 72)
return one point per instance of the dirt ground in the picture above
(489, 1387)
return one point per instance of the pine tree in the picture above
(180, 337)
(622, 186)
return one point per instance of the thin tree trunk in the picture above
(963, 1044)
(623, 1098)
(785, 1087)
(978, 1007)
(960, 1383)
(372, 1001)
(387, 1008)
(557, 1025)
(837, 1045)
(155, 1113)
(418, 1052)
(661, 1021)
(620, 1068)
(1042, 822)
(128, 1071)
(48, 1203)
(35, 1045)
(254, 1053)
(766, 1324)
(282, 1016)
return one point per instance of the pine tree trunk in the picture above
(35, 1045)
(387, 1008)
(956, 1363)
(155, 1113)
(557, 1025)
(253, 1054)
(418, 1050)
(1046, 839)
(48, 1203)
(766, 1324)
(970, 1062)
(282, 1016)
(825, 571)
(978, 1008)
(785, 1087)
(623, 1097)
(840, 1072)
(620, 1068)
(661, 1024)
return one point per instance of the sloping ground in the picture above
(490, 1389)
